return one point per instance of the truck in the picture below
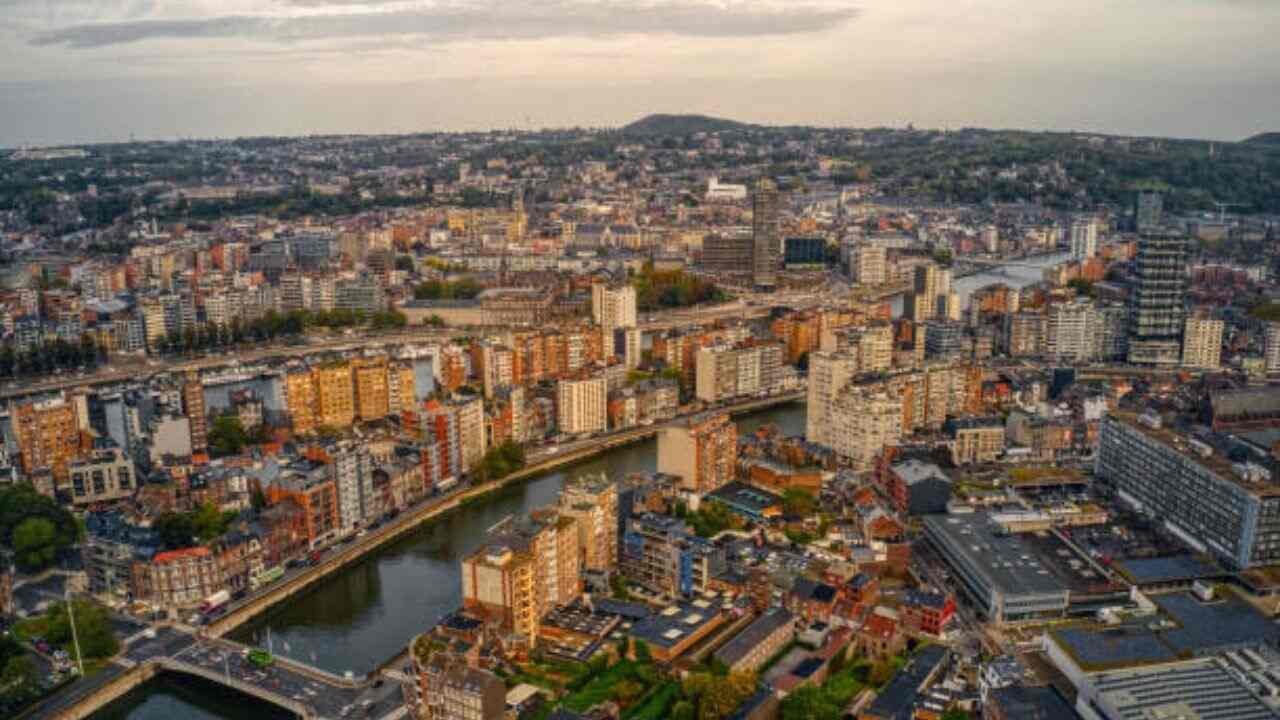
(215, 602)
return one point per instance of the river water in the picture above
(1027, 272)
(367, 613)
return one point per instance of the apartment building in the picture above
(372, 388)
(1228, 509)
(473, 441)
(582, 405)
(724, 372)
(47, 435)
(868, 264)
(662, 554)
(1202, 343)
(702, 451)
(335, 395)
(593, 504)
(446, 687)
(300, 399)
(865, 419)
(193, 408)
(104, 476)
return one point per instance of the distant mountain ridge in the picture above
(680, 125)
(1266, 138)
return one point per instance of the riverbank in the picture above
(410, 520)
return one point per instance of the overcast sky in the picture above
(106, 70)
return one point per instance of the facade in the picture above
(593, 504)
(1084, 239)
(193, 407)
(916, 488)
(1156, 303)
(662, 554)
(104, 476)
(300, 396)
(865, 419)
(48, 436)
(1194, 489)
(184, 578)
(1271, 348)
(1202, 343)
(472, 439)
(1074, 334)
(868, 264)
(582, 405)
(613, 309)
(765, 238)
(701, 451)
(727, 253)
(335, 395)
(724, 372)
(373, 392)
(312, 488)
(975, 439)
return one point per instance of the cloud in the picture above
(484, 20)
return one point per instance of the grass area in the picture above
(600, 688)
(32, 627)
(656, 704)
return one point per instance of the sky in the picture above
(110, 70)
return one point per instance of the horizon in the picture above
(106, 71)
(608, 129)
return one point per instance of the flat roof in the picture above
(674, 624)
(1196, 689)
(1215, 463)
(1172, 568)
(1008, 561)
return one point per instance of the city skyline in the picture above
(108, 71)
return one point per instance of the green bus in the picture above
(260, 658)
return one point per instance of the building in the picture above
(446, 687)
(801, 252)
(996, 569)
(927, 612)
(1200, 688)
(975, 439)
(727, 253)
(1228, 509)
(193, 407)
(724, 371)
(1271, 348)
(300, 399)
(677, 628)
(766, 208)
(373, 389)
(612, 309)
(1074, 334)
(702, 451)
(473, 441)
(1202, 343)
(527, 567)
(916, 488)
(1156, 302)
(183, 578)
(311, 487)
(868, 264)
(750, 649)
(335, 395)
(105, 476)
(48, 436)
(582, 405)
(662, 555)
(593, 504)
(863, 421)
(1020, 702)
(1084, 239)
(1148, 211)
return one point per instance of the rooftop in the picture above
(1195, 690)
(675, 623)
(1008, 561)
(1199, 453)
(755, 633)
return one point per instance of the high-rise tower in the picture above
(765, 234)
(1156, 309)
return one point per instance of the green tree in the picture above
(20, 504)
(797, 501)
(93, 629)
(35, 542)
(809, 703)
(227, 436)
(18, 681)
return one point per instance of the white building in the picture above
(582, 405)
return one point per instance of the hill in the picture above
(1267, 138)
(680, 125)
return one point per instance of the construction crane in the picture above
(1222, 209)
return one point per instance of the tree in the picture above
(955, 714)
(797, 501)
(627, 690)
(93, 629)
(809, 703)
(18, 681)
(881, 673)
(35, 542)
(227, 436)
(20, 504)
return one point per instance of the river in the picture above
(1027, 272)
(367, 613)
